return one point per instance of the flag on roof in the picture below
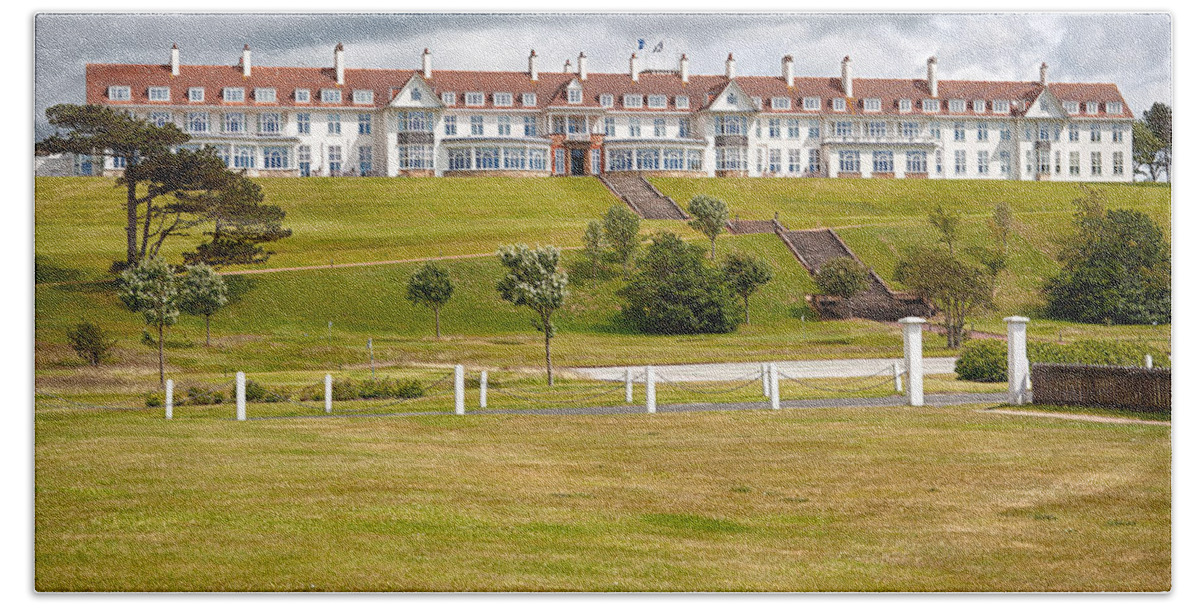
(641, 43)
(658, 49)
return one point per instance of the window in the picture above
(904, 105)
(365, 157)
(960, 132)
(731, 99)
(981, 131)
(450, 125)
(118, 93)
(1044, 104)
(595, 162)
(620, 160)
(264, 95)
(793, 128)
(575, 124)
(731, 125)
(882, 162)
(503, 100)
(673, 159)
(504, 125)
(558, 124)
(660, 127)
(418, 156)
(795, 160)
(1113, 107)
(449, 98)
(1006, 162)
(1005, 132)
(233, 94)
(1073, 133)
(848, 161)
(235, 122)
(269, 123)
(960, 162)
(416, 121)
(1043, 159)
(682, 102)
(657, 102)
(1095, 133)
(775, 160)
(814, 162)
(1072, 107)
(514, 158)
(610, 127)
(915, 162)
(685, 128)
(1057, 162)
(731, 159)
(1093, 107)
(537, 159)
(812, 103)
(1000, 106)
(872, 105)
(647, 159)
(474, 99)
(781, 103)
(1118, 134)
(1073, 163)
(1029, 161)
(958, 106)
(530, 126)
(334, 154)
(979, 106)
(935, 130)
(529, 100)
(1043, 131)
(814, 129)
(304, 160)
(910, 130)
(414, 94)
(302, 95)
(606, 101)
(476, 125)
(118, 162)
(757, 101)
(843, 128)
(159, 93)
(159, 119)
(937, 161)
(274, 157)
(361, 96)
(635, 127)
(695, 160)
(877, 129)
(333, 123)
(982, 162)
(460, 158)
(560, 161)
(632, 101)
(930, 105)
(196, 94)
(774, 129)
(331, 96)
(303, 123)
(1118, 163)
(364, 124)
(575, 96)
(243, 157)
(839, 104)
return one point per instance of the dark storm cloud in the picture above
(1132, 50)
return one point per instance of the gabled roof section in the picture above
(416, 93)
(1045, 105)
(732, 98)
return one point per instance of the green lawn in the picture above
(872, 499)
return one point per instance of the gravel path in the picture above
(1084, 417)
(838, 368)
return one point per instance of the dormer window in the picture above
(930, 105)
(606, 101)
(682, 102)
(529, 100)
(979, 106)
(781, 103)
(1000, 106)
(159, 93)
(904, 105)
(1093, 107)
(331, 96)
(812, 103)
(118, 93)
(574, 95)
(1072, 107)
(839, 104)
(503, 100)
(633, 101)
(958, 106)
(233, 94)
(757, 101)
(657, 102)
(302, 95)
(196, 94)
(1113, 107)
(368, 96)
(448, 98)
(872, 105)
(473, 99)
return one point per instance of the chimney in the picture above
(174, 59)
(730, 65)
(427, 64)
(533, 72)
(567, 67)
(633, 69)
(246, 61)
(683, 68)
(932, 76)
(1044, 72)
(582, 66)
(789, 71)
(847, 79)
(339, 64)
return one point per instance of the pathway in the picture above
(698, 372)
(1083, 417)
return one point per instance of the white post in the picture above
(912, 359)
(241, 395)
(629, 385)
(483, 389)
(896, 373)
(328, 393)
(1149, 362)
(170, 403)
(764, 371)
(651, 397)
(460, 406)
(1018, 360)
(773, 372)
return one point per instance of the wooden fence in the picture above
(1129, 388)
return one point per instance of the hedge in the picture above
(987, 360)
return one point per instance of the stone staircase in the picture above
(643, 197)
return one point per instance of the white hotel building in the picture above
(290, 121)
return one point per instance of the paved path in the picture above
(1084, 417)
(837, 368)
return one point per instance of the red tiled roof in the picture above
(551, 88)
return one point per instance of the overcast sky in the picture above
(1131, 50)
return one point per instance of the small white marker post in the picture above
(241, 395)
(1149, 361)
(460, 405)
(896, 373)
(328, 393)
(170, 401)
(483, 389)
(765, 373)
(913, 362)
(1018, 360)
(651, 397)
(629, 385)
(773, 372)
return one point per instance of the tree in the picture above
(152, 289)
(1147, 151)
(621, 233)
(95, 129)
(202, 293)
(431, 287)
(957, 287)
(1116, 268)
(1158, 119)
(90, 342)
(241, 224)
(593, 245)
(534, 280)
(844, 277)
(745, 273)
(1001, 224)
(676, 292)
(946, 223)
(708, 216)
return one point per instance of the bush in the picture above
(90, 342)
(204, 396)
(257, 393)
(380, 388)
(983, 361)
(675, 292)
(154, 400)
(843, 277)
(987, 360)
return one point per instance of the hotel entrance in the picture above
(578, 161)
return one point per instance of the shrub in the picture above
(987, 360)
(675, 292)
(90, 342)
(844, 277)
(154, 400)
(983, 361)
(380, 388)
(204, 396)
(257, 393)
